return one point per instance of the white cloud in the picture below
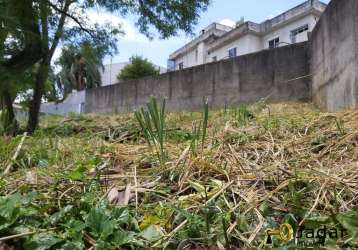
(228, 22)
(133, 42)
(131, 32)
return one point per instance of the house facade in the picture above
(219, 42)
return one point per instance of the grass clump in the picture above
(199, 131)
(152, 123)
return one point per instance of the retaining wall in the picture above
(334, 63)
(279, 75)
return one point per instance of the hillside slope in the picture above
(93, 182)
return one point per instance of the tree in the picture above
(139, 67)
(20, 38)
(80, 68)
(42, 27)
(53, 17)
(20, 48)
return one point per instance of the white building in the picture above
(110, 72)
(218, 42)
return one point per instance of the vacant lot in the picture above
(187, 182)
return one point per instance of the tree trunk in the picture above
(2, 102)
(39, 88)
(10, 122)
(42, 73)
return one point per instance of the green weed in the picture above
(152, 123)
(340, 126)
(199, 131)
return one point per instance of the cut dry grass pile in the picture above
(260, 166)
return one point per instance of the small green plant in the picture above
(340, 126)
(195, 135)
(271, 123)
(152, 123)
(205, 123)
(199, 131)
(244, 114)
(5, 125)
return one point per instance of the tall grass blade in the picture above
(205, 123)
(152, 123)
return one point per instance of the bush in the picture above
(139, 67)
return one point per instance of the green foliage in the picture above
(167, 17)
(5, 122)
(199, 131)
(22, 86)
(152, 122)
(349, 221)
(178, 135)
(43, 241)
(340, 126)
(243, 114)
(80, 67)
(100, 224)
(109, 226)
(139, 67)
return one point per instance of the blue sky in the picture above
(158, 51)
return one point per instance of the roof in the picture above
(308, 7)
(214, 30)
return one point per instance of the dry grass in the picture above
(287, 159)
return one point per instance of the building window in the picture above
(232, 52)
(181, 65)
(297, 31)
(274, 43)
(171, 64)
(215, 58)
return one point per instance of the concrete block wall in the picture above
(278, 75)
(334, 63)
(74, 103)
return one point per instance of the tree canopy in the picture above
(139, 67)
(80, 68)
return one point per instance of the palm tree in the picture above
(80, 68)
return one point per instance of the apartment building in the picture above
(219, 42)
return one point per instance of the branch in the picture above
(75, 19)
(59, 30)
(44, 25)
